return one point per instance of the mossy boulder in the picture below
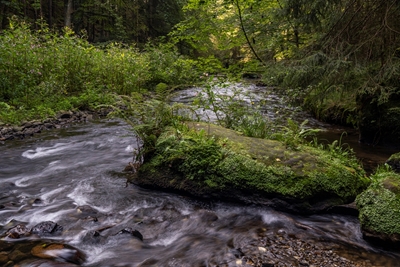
(394, 162)
(379, 207)
(210, 161)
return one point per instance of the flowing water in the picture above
(74, 177)
(276, 107)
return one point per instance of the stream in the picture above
(74, 177)
(276, 107)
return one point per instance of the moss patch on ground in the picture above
(379, 206)
(207, 159)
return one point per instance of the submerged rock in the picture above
(210, 161)
(46, 263)
(17, 231)
(93, 238)
(130, 231)
(379, 207)
(56, 251)
(27, 252)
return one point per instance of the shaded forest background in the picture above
(101, 20)
(338, 58)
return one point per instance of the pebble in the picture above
(287, 251)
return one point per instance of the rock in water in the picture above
(47, 228)
(59, 252)
(17, 231)
(134, 233)
(210, 161)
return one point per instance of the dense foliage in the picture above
(42, 72)
(338, 58)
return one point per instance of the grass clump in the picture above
(233, 109)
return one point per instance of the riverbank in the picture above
(63, 119)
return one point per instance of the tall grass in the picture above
(42, 72)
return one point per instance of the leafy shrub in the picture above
(44, 69)
(234, 110)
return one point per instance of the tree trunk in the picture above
(40, 9)
(25, 13)
(296, 37)
(50, 19)
(68, 14)
(3, 16)
(245, 33)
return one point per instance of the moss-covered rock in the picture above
(212, 161)
(394, 162)
(379, 207)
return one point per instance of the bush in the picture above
(64, 71)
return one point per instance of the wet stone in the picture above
(17, 129)
(27, 124)
(58, 251)
(3, 257)
(17, 255)
(47, 228)
(207, 216)
(237, 252)
(46, 263)
(49, 126)
(134, 233)
(92, 238)
(17, 231)
(37, 201)
(65, 115)
(11, 137)
(87, 213)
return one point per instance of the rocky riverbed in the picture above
(260, 248)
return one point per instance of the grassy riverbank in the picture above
(43, 72)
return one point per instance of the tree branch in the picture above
(245, 33)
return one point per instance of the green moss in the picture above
(394, 157)
(214, 158)
(379, 205)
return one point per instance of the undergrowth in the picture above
(43, 72)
